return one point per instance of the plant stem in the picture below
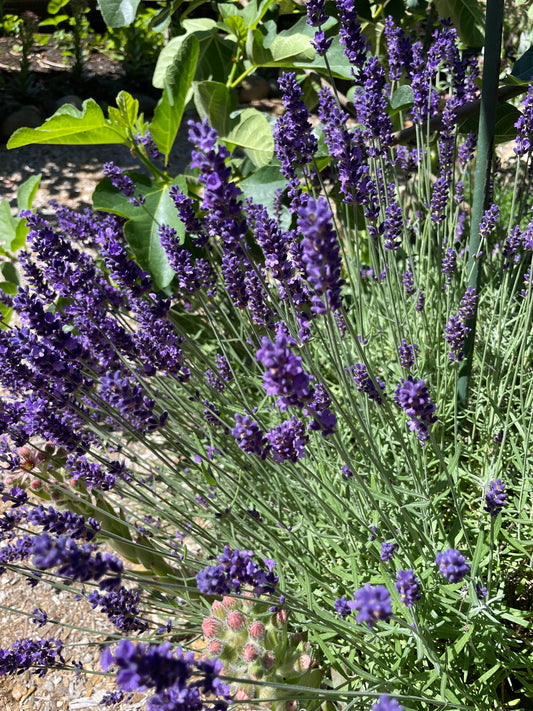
(482, 188)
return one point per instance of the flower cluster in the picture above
(236, 569)
(495, 497)
(24, 654)
(176, 676)
(452, 565)
(457, 328)
(413, 397)
(285, 375)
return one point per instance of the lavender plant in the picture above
(274, 440)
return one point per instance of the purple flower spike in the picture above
(248, 436)
(343, 607)
(452, 565)
(413, 397)
(385, 703)
(407, 353)
(321, 254)
(408, 587)
(288, 440)
(236, 569)
(315, 12)
(285, 375)
(495, 497)
(524, 125)
(387, 551)
(373, 603)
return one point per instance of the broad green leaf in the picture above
(69, 126)
(253, 14)
(21, 233)
(254, 135)
(169, 111)
(118, 13)
(142, 228)
(10, 274)
(402, 98)
(261, 186)
(235, 25)
(203, 29)
(128, 107)
(27, 191)
(54, 6)
(285, 49)
(467, 17)
(339, 65)
(162, 19)
(215, 102)
(8, 225)
(522, 72)
(504, 130)
(10, 288)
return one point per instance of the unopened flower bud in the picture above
(36, 484)
(218, 609)
(280, 618)
(268, 659)
(214, 648)
(229, 602)
(211, 626)
(303, 663)
(256, 630)
(250, 652)
(235, 620)
(241, 695)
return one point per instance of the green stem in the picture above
(487, 121)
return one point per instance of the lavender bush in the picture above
(275, 442)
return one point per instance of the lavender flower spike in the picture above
(452, 565)
(413, 397)
(385, 703)
(495, 497)
(373, 603)
(321, 254)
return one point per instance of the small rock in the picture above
(69, 99)
(253, 88)
(27, 116)
(18, 691)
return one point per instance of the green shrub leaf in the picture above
(467, 18)
(142, 228)
(118, 13)
(215, 102)
(522, 72)
(69, 126)
(254, 135)
(178, 80)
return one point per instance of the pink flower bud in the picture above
(235, 620)
(241, 695)
(280, 618)
(210, 627)
(217, 607)
(250, 652)
(36, 484)
(303, 663)
(214, 648)
(268, 660)
(229, 602)
(256, 629)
